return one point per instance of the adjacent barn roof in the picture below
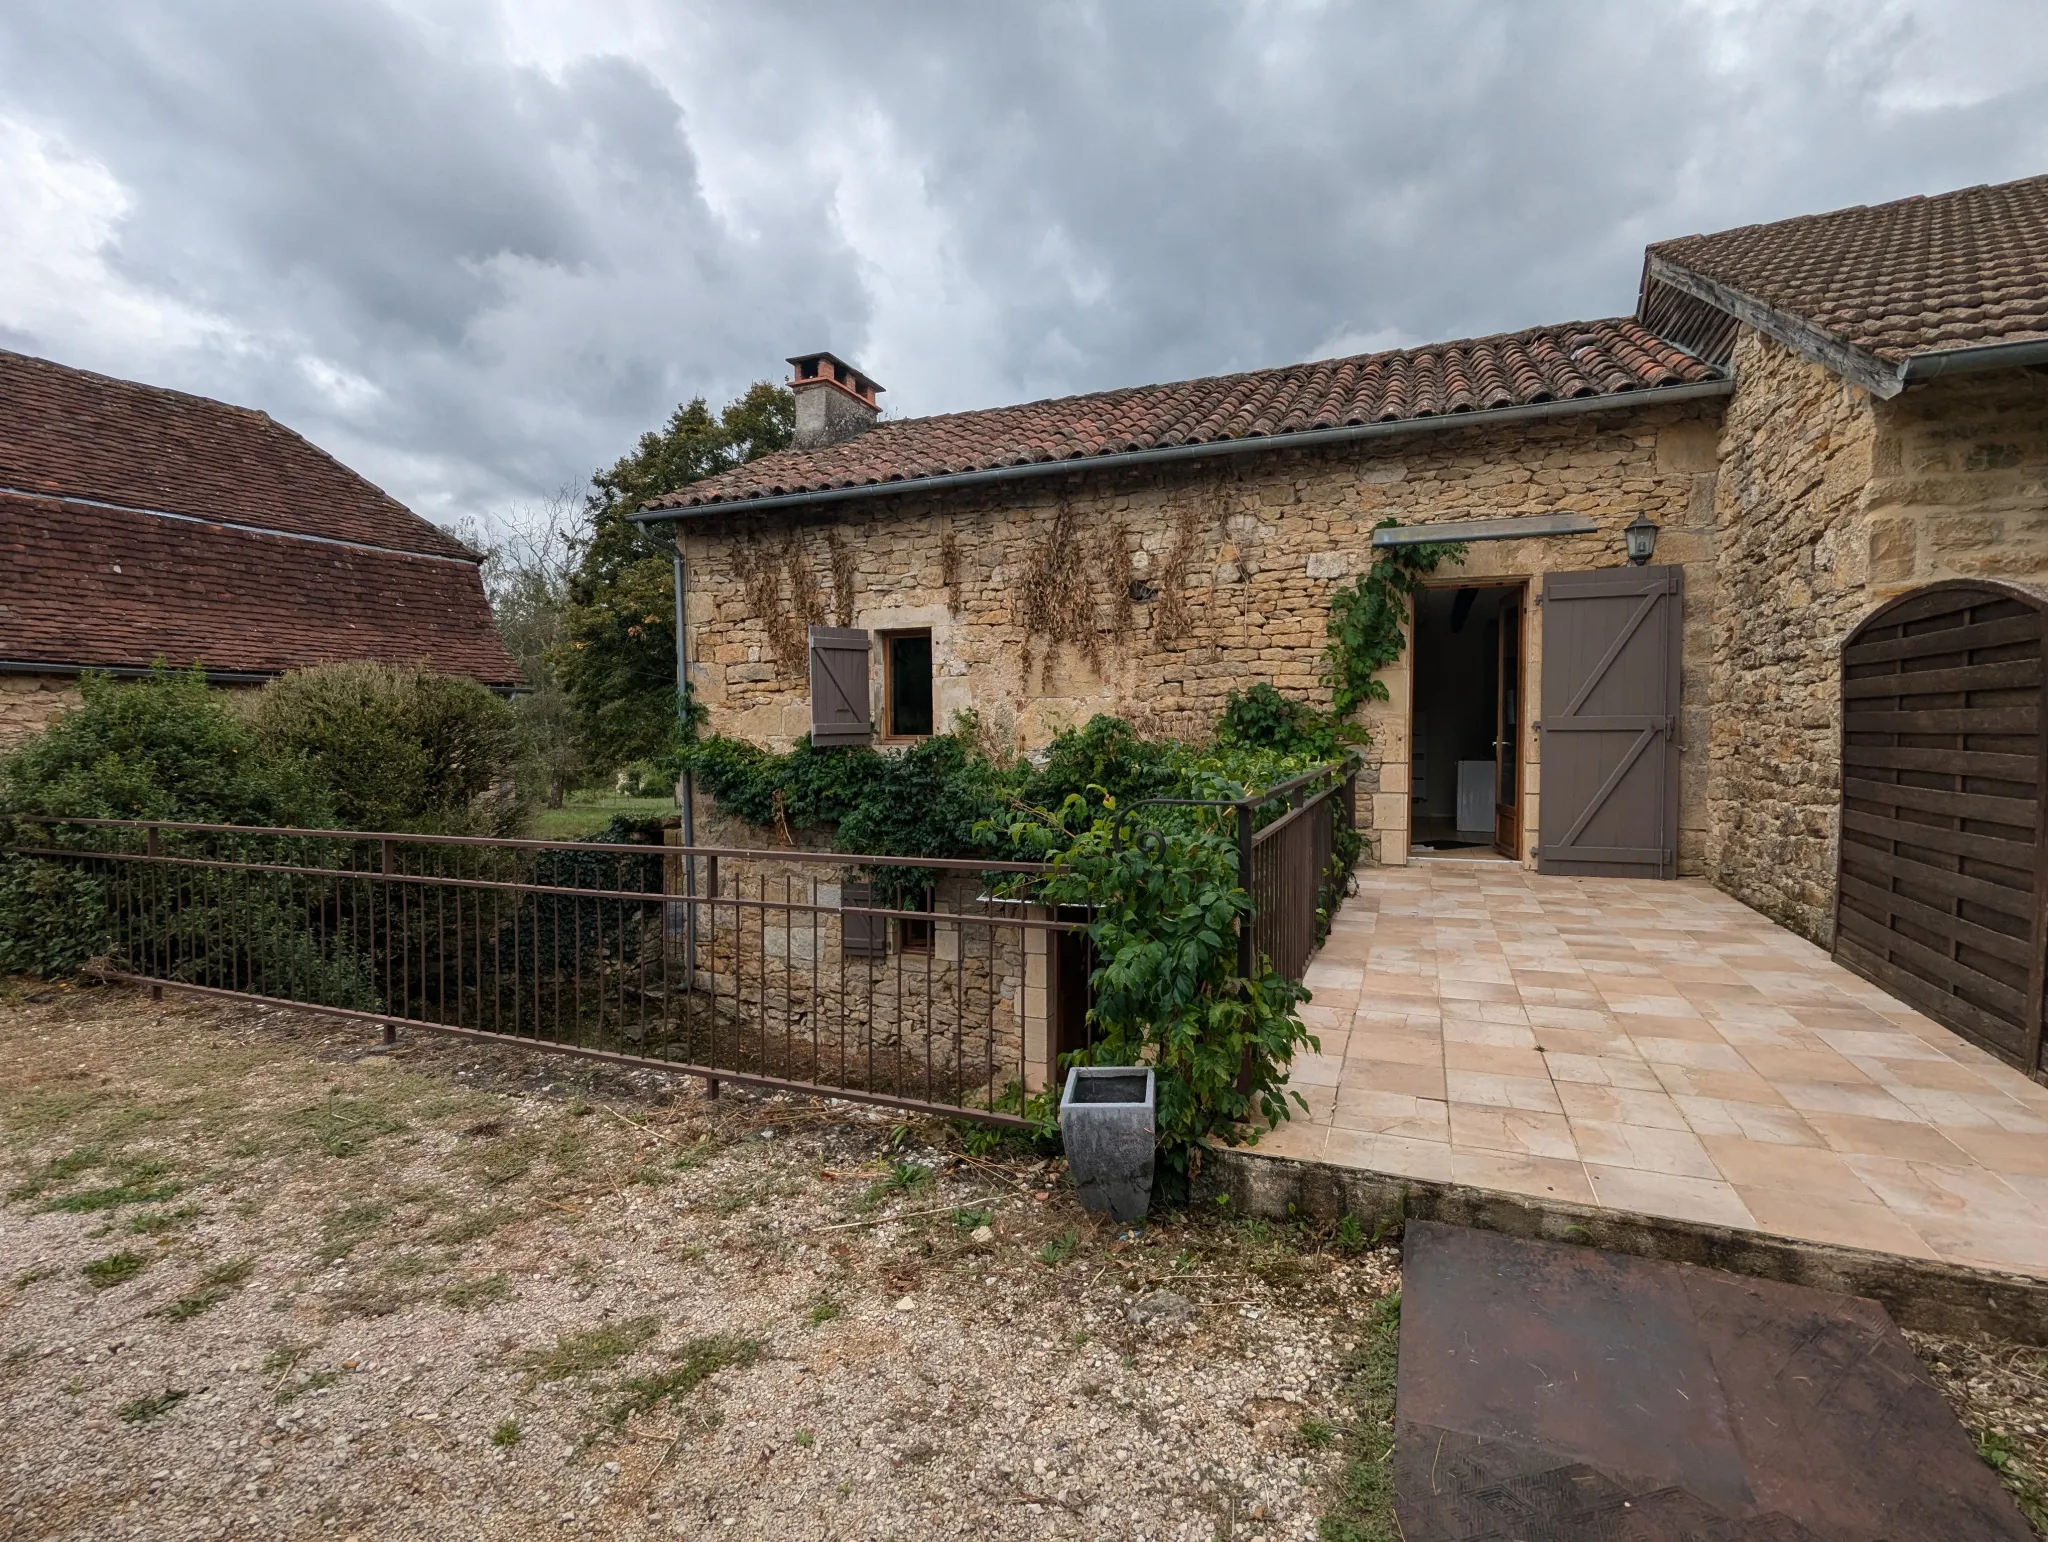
(1872, 289)
(1579, 361)
(138, 523)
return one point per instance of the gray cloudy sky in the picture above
(475, 248)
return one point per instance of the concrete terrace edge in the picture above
(1924, 1294)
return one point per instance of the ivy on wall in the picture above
(1365, 626)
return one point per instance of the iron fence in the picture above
(776, 968)
(924, 984)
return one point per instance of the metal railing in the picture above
(924, 991)
(918, 983)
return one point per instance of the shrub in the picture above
(402, 748)
(162, 747)
(1263, 718)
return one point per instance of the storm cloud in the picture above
(475, 249)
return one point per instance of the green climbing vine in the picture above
(1365, 626)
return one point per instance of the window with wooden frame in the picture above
(907, 685)
(914, 932)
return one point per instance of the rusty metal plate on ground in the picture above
(1550, 1393)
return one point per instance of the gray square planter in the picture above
(1108, 1125)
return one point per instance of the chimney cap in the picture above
(829, 369)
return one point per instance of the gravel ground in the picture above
(262, 1279)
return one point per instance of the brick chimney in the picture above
(834, 401)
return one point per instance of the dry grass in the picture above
(471, 1293)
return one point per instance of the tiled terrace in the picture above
(1660, 1049)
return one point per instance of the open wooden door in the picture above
(1611, 641)
(1507, 737)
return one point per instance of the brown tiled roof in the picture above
(70, 431)
(1958, 270)
(117, 588)
(1544, 364)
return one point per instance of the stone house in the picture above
(140, 524)
(1831, 433)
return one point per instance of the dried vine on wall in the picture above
(1172, 619)
(949, 570)
(1056, 599)
(762, 574)
(843, 573)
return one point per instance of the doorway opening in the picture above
(1467, 733)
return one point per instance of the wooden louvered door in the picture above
(1611, 639)
(1944, 851)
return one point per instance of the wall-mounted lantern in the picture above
(1642, 540)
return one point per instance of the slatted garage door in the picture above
(1943, 864)
(1610, 722)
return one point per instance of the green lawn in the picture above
(586, 813)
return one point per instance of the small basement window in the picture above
(907, 685)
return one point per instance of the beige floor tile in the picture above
(1688, 1053)
(1410, 1046)
(1877, 1046)
(1461, 1055)
(1948, 1110)
(1866, 1102)
(1546, 1178)
(1706, 1201)
(1943, 1073)
(1486, 1088)
(1678, 1152)
(2003, 1151)
(1482, 1127)
(1582, 1041)
(1836, 1222)
(1906, 1141)
(1418, 1081)
(1770, 1122)
(1297, 1138)
(1814, 1171)
(1392, 1113)
(1603, 1071)
(1731, 1086)
(1312, 1070)
(1471, 1031)
(1816, 1065)
(1426, 1159)
(1589, 1019)
(1619, 1105)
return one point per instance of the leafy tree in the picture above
(615, 658)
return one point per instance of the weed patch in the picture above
(823, 1309)
(695, 1361)
(581, 1354)
(507, 1433)
(143, 1409)
(1996, 1449)
(215, 1286)
(114, 1269)
(1361, 1507)
(152, 1222)
(342, 1125)
(140, 1185)
(903, 1178)
(472, 1224)
(344, 1229)
(1060, 1249)
(472, 1294)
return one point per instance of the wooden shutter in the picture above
(1611, 640)
(840, 712)
(861, 936)
(1943, 871)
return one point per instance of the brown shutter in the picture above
(1611, 640)
(839, 687)
(861, 936)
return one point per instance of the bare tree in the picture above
(526, 574)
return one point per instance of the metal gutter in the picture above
(131, 671)
(1613, 401)
(1959, 361)
(228, 524)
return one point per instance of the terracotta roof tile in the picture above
(1580, 359)
(70, 431)
(112, 587)
(1956, 270)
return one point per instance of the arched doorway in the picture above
(1942, 882)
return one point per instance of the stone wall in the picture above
(1829, 503)
(1151, 593)
(29, 702)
